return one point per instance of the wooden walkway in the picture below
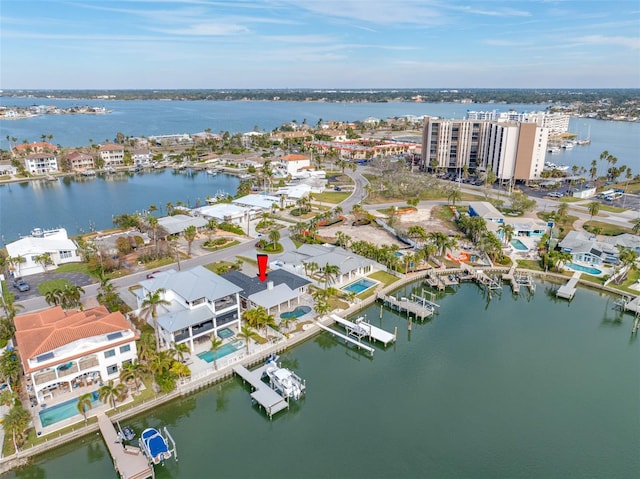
(129, 461)
(568, 290)
(266, 397)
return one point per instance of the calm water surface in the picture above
(84, 204)
(527, 388)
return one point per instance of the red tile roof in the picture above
(111, 147)
(43, 331)
(294, 158)
(42, 145)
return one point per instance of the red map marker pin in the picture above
(262, 266)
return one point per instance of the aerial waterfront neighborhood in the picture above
(319, 239)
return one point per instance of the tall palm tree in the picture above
(110, 392)
(454, 195)
(216, 342)
(16, 422)
(190, 234)
(53, 297)
(274, 237)
(507, 231)
(132, 372)
(247, 334)
(71, 295)
(84, 405)
(330, 273)
(150, 308)
(594, 208)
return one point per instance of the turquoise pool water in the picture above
(222, 351)
(225, 333)
(519, 245)
(584, 269)
(296, 313)
(359, 286)
(64, 410)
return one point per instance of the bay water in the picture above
(526, 387)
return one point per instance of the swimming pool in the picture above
(584, 269)
(296, 313)
(225, 333)
(222, 351)
(359, 286)
(519, 245)
(65, 410)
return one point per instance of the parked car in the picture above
(152, 275)
(21, 285)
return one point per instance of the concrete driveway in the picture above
(78, 279)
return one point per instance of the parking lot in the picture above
(78, 279)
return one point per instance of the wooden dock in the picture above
(348, 339)
(511, 278)
(568, 290)
(359, 328)
(633, 305)
(405, 305)
(128, 461)
(266, 397)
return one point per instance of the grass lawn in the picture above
(228, 244)
(220, 267)
(443, 212)
(331, 196)
(529, 264)
(52, 284)
(251, 261)
(383, 277)
(612, 209)
(74, 268)
(605, 228)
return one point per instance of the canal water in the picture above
(82, 204)
(490, 388)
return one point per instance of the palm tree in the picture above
(16, 422)
(110, 393)
(562, 211)
(636, 226)
(330, 273)
(247, 333)
(180, 350)
(53, 297)
(440, 240)
(71, 295)
(454, 195)
(190, 234)
(43, 260)
(216, 342)
(274, 237)
(84, 404)
(132, 372)
(150, 308)
(594, 208)
(507, 232)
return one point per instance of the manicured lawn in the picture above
(529, 264)
(331, 196)
(251, 261)
(220, 267)
(383, 277)
(52, 284)
(612, 209)
(228, 244)
(570, 199)
(606, 228)
(74, 268)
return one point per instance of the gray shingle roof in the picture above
(192, 284)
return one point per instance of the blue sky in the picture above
(319, 44)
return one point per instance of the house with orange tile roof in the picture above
(112, 154)
(61, 350)
(35, 147)
(292, 164)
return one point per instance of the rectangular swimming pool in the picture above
(359, 286)
(222, 351)
(519, 245)
(65, 410)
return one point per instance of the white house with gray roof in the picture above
(200, 304)
(585, 248)
(176, 224)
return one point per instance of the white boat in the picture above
(552, 166)
(212, 172)
(568, 145)
(283, 380)
(554, 149)
(154, 445)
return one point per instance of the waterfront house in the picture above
(35, 147)
(292, 164)
(8, 170)
(60, 248)
(585, 248)
(225, 212)
(79, 161)
(61, 350)
(41, 163)
(351, 266)
(281, 289)
(257, 203)
(200, 304)
(176, 224)
(624, 240)
(141, 157)
(111, 154)
(486, 211)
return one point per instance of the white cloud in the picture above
(629, 42)
(205, 29)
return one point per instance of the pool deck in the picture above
(128, 461)
(361, 328)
